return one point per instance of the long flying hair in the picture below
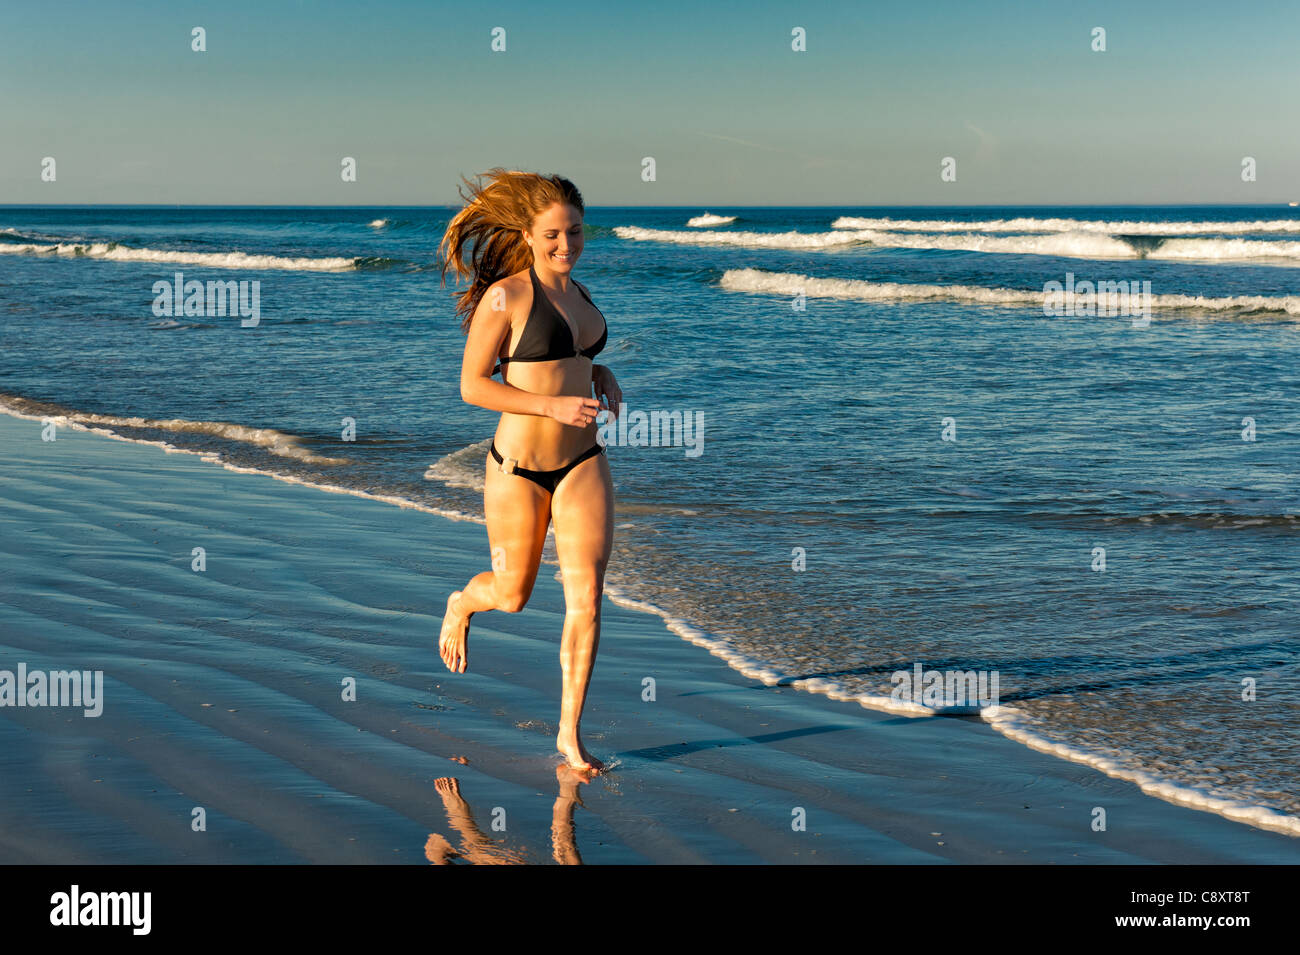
(489, 228)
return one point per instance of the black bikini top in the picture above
(547, 335)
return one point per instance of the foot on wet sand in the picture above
(453, 644)
(577, 754)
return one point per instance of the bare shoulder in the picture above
(506, 293)
(511, 284)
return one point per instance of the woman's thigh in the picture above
(582, 510)
(517, 513)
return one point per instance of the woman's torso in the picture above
(538, 442)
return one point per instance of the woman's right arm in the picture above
(488, 328)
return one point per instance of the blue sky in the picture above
(712, 91)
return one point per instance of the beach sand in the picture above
(223, 690)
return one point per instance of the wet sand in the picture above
(224, 691)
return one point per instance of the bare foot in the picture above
(577, 754)
(453, 644)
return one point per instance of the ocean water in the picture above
(904, 461)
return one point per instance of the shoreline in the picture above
(299, 588)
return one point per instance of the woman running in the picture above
(528, 319)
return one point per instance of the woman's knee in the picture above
(511, 595)
(582, 595)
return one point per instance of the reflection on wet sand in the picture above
(478, 848)
(564, 843)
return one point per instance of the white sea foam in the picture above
(1224, 249)
(708, 219)
(1106, 226)
(789, 284)
(112, 252)
(463, 468)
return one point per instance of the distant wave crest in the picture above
(1108, 227)
(1085, 245)
(752, 240)
(116, 252)
(708, 219)
(1080, 244)
(790, 284)
(1089, 245)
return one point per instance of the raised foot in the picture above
(453, 643)
(577, 755)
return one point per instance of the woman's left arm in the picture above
(602, 379)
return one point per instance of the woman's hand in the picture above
(574, 410)
(607, 388)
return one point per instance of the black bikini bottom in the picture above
(546, 480)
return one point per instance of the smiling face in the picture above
(556, 237)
